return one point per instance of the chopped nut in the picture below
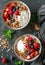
(2, 56)
(8, 50)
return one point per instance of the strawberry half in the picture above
(4, 60)
(32, 50)
(36, 45)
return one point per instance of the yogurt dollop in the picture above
(20, 46)
(23, 18)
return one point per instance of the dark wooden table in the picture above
(33, 5)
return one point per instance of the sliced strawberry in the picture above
(36, 45)
(5, 14)
(10, 7)
(28, 57)
(27, 46)
(4, 60)
(36, 53)
(7, 9)
(7, 19)
(10, 12)
(32, 50)
(13, 4)
(17, 12)
(30, 39)
(32, 55)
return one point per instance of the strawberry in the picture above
(4, 60)
(10, 7)
(7, 9)
(28, 57)
(27, 46)
(16, 12)
(36, 45)
(30, 39)
(32, 55)
(36, 53)
(13, 4)
(10, 12)
(7, 19)
(32, 50)
(5, 15)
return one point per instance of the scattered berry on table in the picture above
(4, 60)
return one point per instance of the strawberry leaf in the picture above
(8, 34)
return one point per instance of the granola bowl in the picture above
(27, 47)
(16, 15)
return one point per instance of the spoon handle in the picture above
(41, 37)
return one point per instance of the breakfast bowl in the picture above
(27, 47)
(16, 15)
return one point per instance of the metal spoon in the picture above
(37, 29)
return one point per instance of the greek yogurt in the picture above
(20, 46)
(23, 18)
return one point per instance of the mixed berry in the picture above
(12, 12)
(31, 48)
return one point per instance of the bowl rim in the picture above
(34, 57)
(29, 12)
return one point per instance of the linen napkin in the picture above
(41, 19)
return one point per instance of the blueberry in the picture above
(13, 9)
(28, 53)
(11, 15)
(32, 46)
(17, 7)
(31, 43)
(12, 20)
(12, 58)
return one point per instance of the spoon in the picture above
(37, 29)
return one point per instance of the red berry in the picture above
(27, 46)
(32, 55)
(36, 53)
(36, 45)
(16, 12)
(5, 15)
(7, 9)
(4, 60)
(10, 12)
(28, 57)
(32, 50)
(30, 39)
(7, 19)
(13, 4)
(10, 7)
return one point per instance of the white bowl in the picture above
(25, 23)
(34, 57)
